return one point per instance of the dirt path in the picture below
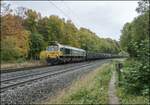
(113, 99)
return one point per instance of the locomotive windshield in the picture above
(52, 48)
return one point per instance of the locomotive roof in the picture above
(69, 47)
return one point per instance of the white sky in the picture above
(105, 18)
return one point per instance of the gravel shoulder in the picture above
(91, 88)
(113, 99)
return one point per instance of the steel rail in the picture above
(10, 70)
(34, 74)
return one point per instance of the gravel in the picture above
(42, 89)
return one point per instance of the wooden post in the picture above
(118, 67)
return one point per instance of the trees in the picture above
(70, 36)
(31, 20)
(135, 40)
(56, 26)
(36, 41)
(36, 45)
(51, 28)
(143, 6)
(30, 33)
(5, 9)
(135, 32)
(91, 42)
(14, 38)
(9, 51)
(12, 27)
(125, 36)
(44, 29)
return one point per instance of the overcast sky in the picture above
(105, 18)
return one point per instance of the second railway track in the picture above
(35, 73)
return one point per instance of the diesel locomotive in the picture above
(57, 53)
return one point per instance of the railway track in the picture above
(10, 75)
(35, 72)
(12, 83)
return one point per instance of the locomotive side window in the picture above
(67, 51)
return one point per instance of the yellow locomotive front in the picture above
(52, 54)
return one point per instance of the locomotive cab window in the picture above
(52, 48)
(62, 49)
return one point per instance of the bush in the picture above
(135, 77)
(8, 50)
(135, 40)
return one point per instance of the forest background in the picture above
(25, 33)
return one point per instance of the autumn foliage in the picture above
(25, 33)
(14, 38)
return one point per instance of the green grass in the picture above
(90, 89)
(127, 98)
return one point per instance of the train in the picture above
(57, 53)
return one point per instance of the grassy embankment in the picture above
(23, 64)
(91, 88)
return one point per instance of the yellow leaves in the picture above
(9, 51)
(11, 25)
(13, 30)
